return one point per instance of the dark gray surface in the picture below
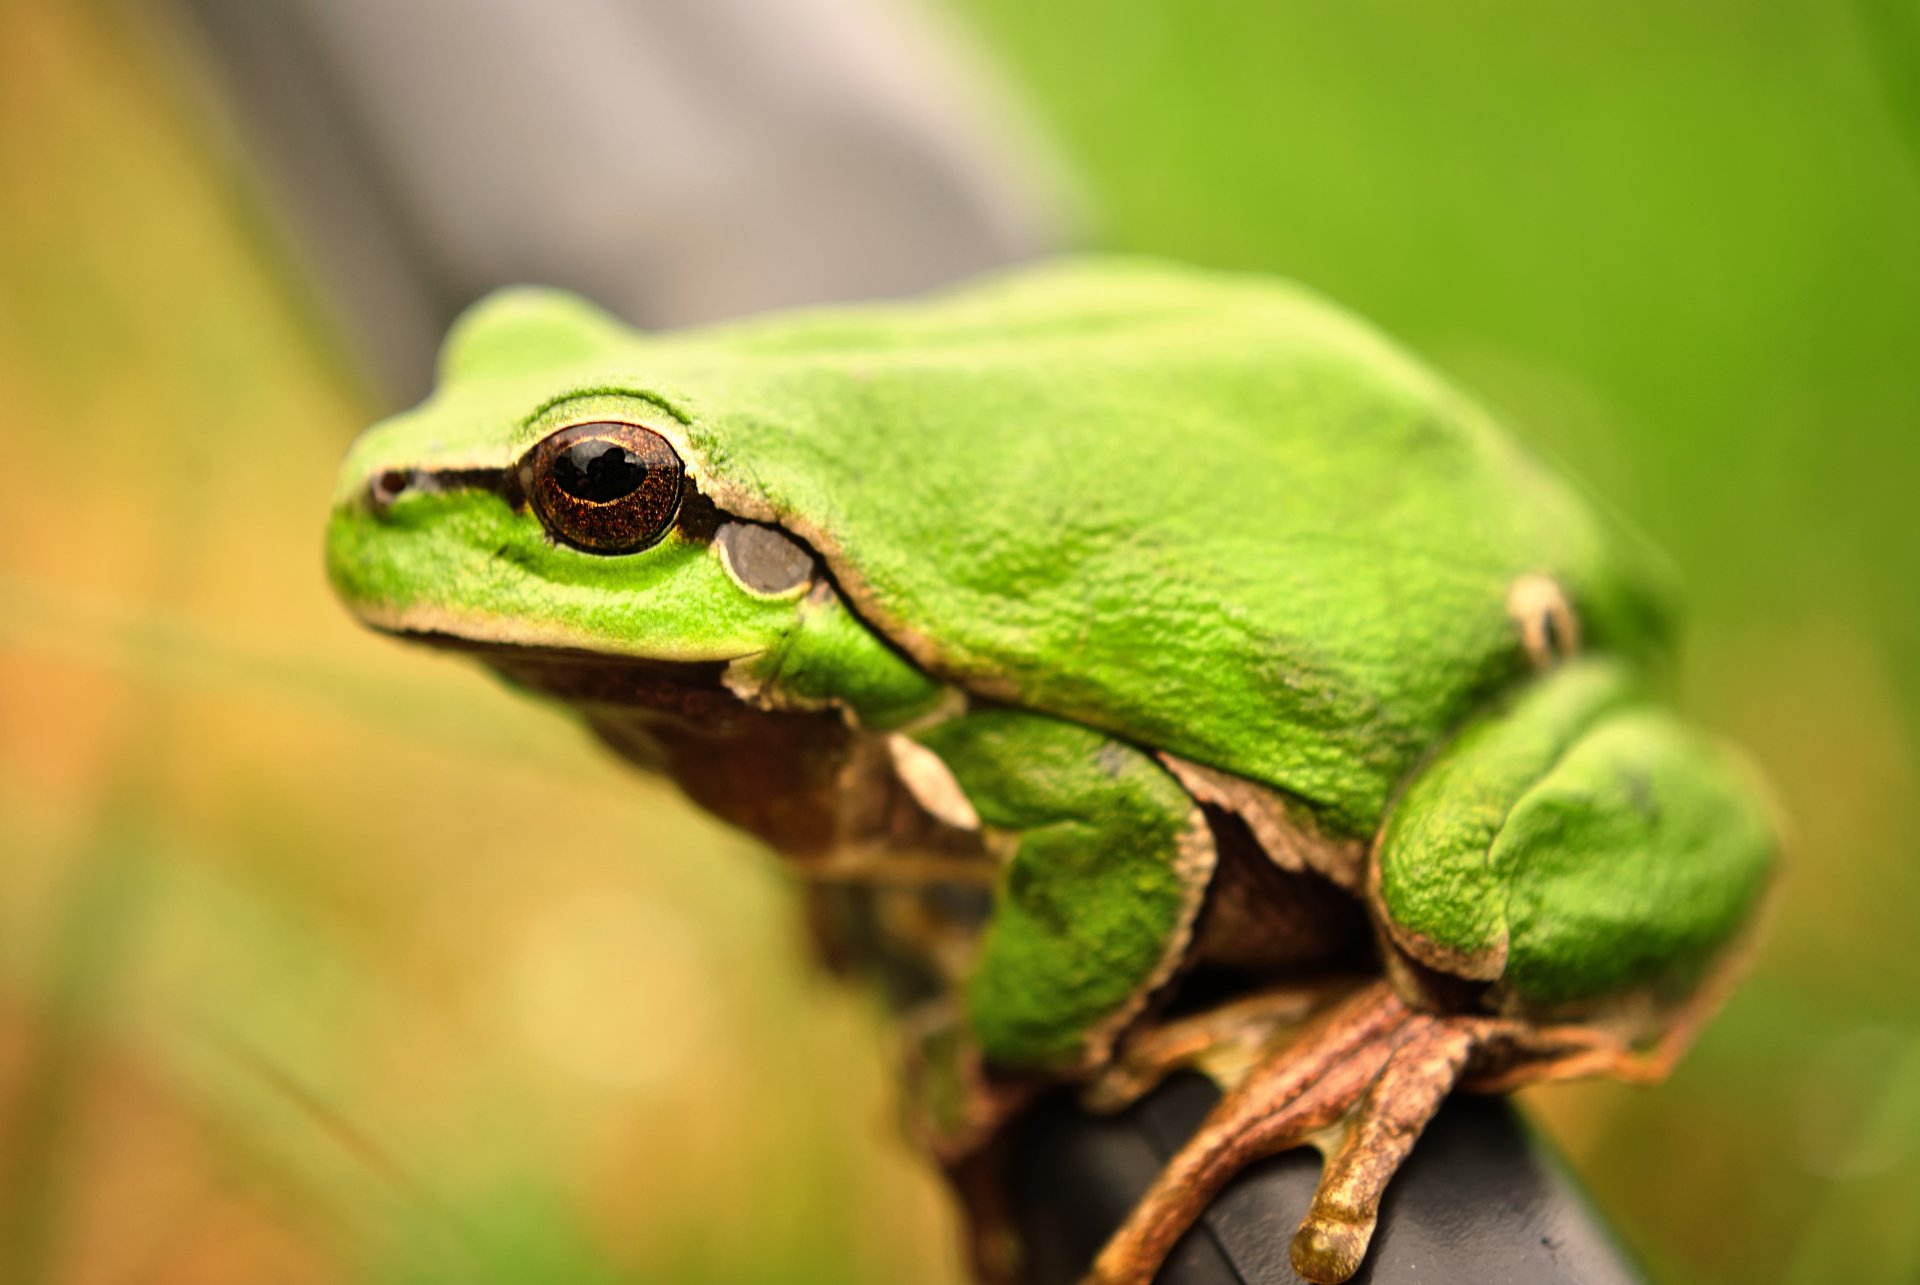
(1480, 1202)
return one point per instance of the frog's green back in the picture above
(1211, 514)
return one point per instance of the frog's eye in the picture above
(605, 487)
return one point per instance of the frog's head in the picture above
(539, 506)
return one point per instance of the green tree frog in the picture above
(1229, 648)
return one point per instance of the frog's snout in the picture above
(387, 487)
(377, 494)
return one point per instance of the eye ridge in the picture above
(605, 487)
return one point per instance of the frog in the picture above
(1184, 622)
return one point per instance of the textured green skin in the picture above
(1193, 512)
(1630, 864)
(1206, 514)
(1575, 843)
(1090, 898)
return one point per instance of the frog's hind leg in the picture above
(1361, 1084)
(1434, 1055)
(1563, 881)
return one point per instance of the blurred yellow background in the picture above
(321, 960)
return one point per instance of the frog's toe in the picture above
(1329, 1250)
(1427, 1061)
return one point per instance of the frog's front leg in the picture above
(1107, 863)
(1557, 891)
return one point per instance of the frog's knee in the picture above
(1574, 844)
(1632, 864)
(1433, 887)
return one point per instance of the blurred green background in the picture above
(324, 961)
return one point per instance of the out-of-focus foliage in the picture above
(321, 960)
(1679, 245)
(325, 961)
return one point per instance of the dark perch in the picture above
(1480, 1201)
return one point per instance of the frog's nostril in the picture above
(388, 486)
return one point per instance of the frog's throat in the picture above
(693, 691)
(775, 775)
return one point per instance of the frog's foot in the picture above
(1294, 1097)
(1360, 1084)
(1224, 1042)
(992, 1245)
(957, 1105)
(957, 1109)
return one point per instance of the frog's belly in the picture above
(1261, 920)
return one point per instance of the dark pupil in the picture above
(598, 471)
